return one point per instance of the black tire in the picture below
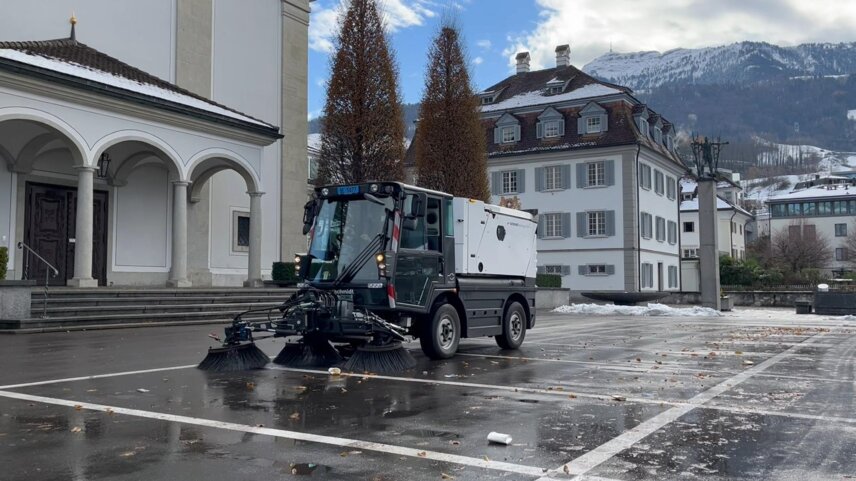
(513, 327)
(441, 333)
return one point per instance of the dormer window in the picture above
(486, 100)
(550, 125)
(555, 90)
(507, 134)
(658, 135)
(507, 130)
(643, 126)
(593, 119)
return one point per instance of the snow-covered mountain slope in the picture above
(743, 62)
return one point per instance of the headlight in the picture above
(325, 191)
(379, 258)
(373, 188)
(297, 260)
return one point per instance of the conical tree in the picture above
(362, 134)
(450, 141)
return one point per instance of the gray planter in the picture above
(726, 303)
(15, 300)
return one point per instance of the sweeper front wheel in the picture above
(440, 334)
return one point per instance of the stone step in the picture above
(102, 292)
(80, 311)
(124, 320)
(163, 301)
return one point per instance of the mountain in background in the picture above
(747, 90)
(736, 64)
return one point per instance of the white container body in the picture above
(493, 241)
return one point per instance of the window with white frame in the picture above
(658, 182)
(551, 128)
(553, 177)
(596, 269)
(593, 125)
(553, 225)
(673, 276)
(645, 176)
(647, 272)
(508, 134)
(690, 253)
(595, 173)
(689, 226)
(509, 182)
(643, 126)
(240, 231)
(646, 225)
(841, 254)
(840, 230)
(658, 134)
(596, 222)
(661, 229)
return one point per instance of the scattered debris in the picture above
(616, 397)
(334, 371)
(76, 429)
(747, 362)
(143, 390)
(499, 438)
(294, 416)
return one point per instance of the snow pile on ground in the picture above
(653, 309)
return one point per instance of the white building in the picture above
(731, 229)
(184, 99)
(599, 167)
(825, 208)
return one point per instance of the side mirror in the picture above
(418, 202)
(308, 216)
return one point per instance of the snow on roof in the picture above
(721, 204)
(818, 191)
(537, 97)
(313, 141)
(688, 186)
(87, 73)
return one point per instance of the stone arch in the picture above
(7, 158)
(205, 164)
(159, 148)
(78, 145)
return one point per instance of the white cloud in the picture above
(478, 61)
(398, 15)
(631, 25)
(484, 44)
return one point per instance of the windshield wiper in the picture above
(359, 260)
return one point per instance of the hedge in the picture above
(4, 262)
(548, 280)
(283, 272)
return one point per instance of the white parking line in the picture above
(597, 456)
(96, 376)
(281, 433)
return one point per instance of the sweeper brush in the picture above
(381, 359)
(236, 357)
(308, 352)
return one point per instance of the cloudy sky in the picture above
(494, 30)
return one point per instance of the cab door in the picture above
(420, 263)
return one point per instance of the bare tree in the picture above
(799, 247)
(450, 141)
(362, 134)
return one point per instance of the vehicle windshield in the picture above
(343, 228)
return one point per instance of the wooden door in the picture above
(50, 219)
(46, 232)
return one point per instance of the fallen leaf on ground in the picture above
(422, 454)
(446, 476)
(294, 416)
(128, 454)
(78, 407)
(455, 443)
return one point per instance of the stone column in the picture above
(254, 263)
(83, 229)
(708, 252)
(178, 270)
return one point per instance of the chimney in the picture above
(523, 62)
(563, 55)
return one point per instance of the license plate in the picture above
(348, 189)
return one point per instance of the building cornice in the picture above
(297, 10)
(80, 91)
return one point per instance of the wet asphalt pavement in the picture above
(750, 396)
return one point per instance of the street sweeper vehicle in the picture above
(387, 263)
